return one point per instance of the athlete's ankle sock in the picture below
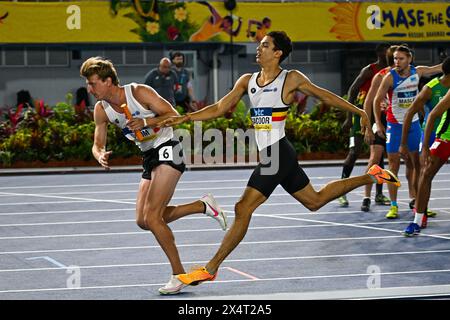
(418, 218)
(394, 203)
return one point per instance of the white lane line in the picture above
(145, 233)
(352, 294)
(241, 273)
(321, 212)
(114, 184)
(195, 245)
(6, 194)
(180, 182)
(133, 200)
(63, 211)
(229, 213)
(353, 225)
(59, 197)
(51, 260)
(65, 223)
(250, 260)
(335, 276)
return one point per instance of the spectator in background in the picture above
(184, 93)
(24, 100)
(82, 104)
(24, 104)
(163, 79)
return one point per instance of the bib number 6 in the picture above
(166, 154)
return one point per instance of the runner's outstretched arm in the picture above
(214, 110)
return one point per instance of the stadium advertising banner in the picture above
(202, 21)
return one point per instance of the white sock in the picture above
(418, 218)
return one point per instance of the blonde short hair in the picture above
(101, 67)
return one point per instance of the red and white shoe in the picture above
(213, 210)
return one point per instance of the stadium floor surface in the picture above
(74, 237)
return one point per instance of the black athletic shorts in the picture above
(170, 152)
(285, 172)
(378, 140)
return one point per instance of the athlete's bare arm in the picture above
(370, 97)
(438, 111)
(214, 110)
(235, 32)
(417, 106)
(151, 100)
(386, 84)
(100, 134)
(428, 71)
(368, 102)
(214, 14)
(298, 81)
(365, 75)
(252, 22)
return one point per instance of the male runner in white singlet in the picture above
(162, 155)
(271, 91)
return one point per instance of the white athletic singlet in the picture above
(268, 111)
(404, 91)
(152, 137)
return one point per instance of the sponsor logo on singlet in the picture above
(270, 90)
(405, 99)
(261, 118)
(148, 134)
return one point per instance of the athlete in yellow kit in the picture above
(215, 25)
(262, 28)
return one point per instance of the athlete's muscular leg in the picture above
(376, 155)
(244, 208)
(394, 164)
(352, 156)
(426, 177)
(171, 213)
(413, 173)
(164, 181)
(314, 200)
(379, 187)
(144, 185)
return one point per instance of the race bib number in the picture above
(388, 137)
(435, 145)
(166, 154)
(405, 99)
(261, 118)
